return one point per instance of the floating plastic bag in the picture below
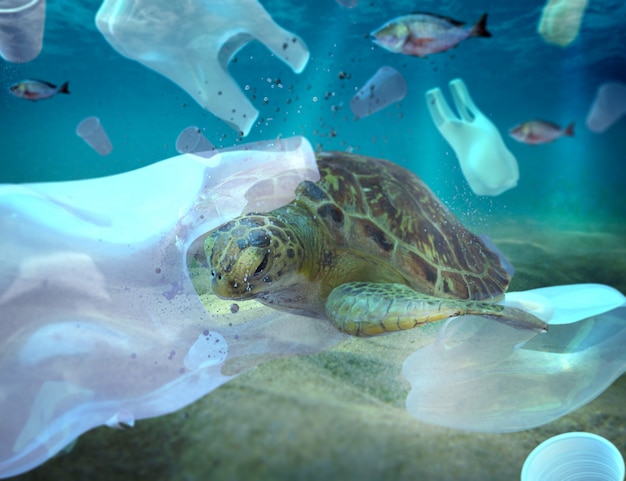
(99, 320)
(484, 376)
(488, 166)
(191, 44)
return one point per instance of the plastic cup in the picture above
(608, 106)
(91, 131)
(574, 456)
(384, 88)
(21, 29)
(191, 140)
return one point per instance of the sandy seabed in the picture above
(340, 414)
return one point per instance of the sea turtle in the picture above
(369, 247)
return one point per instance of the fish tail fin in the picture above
(480, 29)
(64, 89)
(569, 130)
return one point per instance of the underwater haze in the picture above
(557, 211)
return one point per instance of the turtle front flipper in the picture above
(369, 309)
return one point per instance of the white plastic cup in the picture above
(608, 106)
(191, 140)
(574, 456)
(91, 131)
(21, 29)
(385, 87)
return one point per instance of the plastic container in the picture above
(21, 29)
(91, 131)
(191, 140)
(576, 456)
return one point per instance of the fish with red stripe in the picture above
(422, 34)
(37, 89)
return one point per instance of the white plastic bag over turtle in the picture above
(486, 163)
(191, 42)
(99, 320)
(482, 375)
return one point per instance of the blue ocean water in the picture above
(513, 77)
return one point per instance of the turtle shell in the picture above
(387, 212)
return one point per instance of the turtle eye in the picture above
(261, 267)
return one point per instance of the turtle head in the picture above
(251, 256)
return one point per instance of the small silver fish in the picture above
(540, 132)
(37, 89)
(421, 34)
